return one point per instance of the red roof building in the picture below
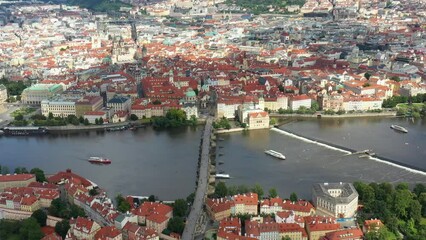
(108, 233)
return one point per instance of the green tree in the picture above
(152, 198)
(40, 177)
(122, 205)
(93, 192)
(5, 170)
(382, 234)
(286, 238)
(258, 189)
(315, 106)
(272, 121)
(50, 116)
(62, 228)
(86, 122)
(220, 189)
(180, 208)
(402, 201)
(20, 170)
(176, 225)
(402, 186)
(190, 198)
(101, 121)
(97, 121)
(422, 200)
(367, 75)
(76, 211)
(273, 193)
(19, 117)
(40, 216)
(415, 211)
(30, 229)
(133, 117)
(81, 119)
(293, 197)
(57, 207)
(395, 78)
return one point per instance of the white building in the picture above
(296, 102)
(338, 200)
(191, 110)
(362, 104)
(58, 107)
(227, 110)
(119, 103)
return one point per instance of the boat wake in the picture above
(348, 151)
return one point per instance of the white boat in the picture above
(99, 160)
(275, 154)
(223, 176)
(399, 128)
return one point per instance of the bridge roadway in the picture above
(203, 178)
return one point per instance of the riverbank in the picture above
(72, 128)
(346, 115)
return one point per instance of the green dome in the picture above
(190, 93)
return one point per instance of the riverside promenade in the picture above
(346, 115)
(203, 176)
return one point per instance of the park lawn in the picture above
(145, 120)
(22, 111)
(405, 105)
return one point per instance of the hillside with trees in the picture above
(403, 211)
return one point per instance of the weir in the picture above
(346, 150)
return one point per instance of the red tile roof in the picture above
(16, 177)
(346, 234)
(107, 233)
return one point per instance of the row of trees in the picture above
(174, 118)
(30, 228)
(221, 190)
(14, 88)
(264, 6)
(400, 208)
(395, 100)
(41, 120)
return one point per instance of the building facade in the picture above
(16, 180)
(338, 200)
(39, 92)
(88, 104)
(58, 107)
(118, 103)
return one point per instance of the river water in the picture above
(164, 163)
(307, 163)
(145, 161)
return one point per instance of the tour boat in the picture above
(222, 176)
(99, 160)
(399, 128)
(275, 154)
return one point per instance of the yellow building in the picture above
(258, 120)
(30, 204)
(88, 104)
